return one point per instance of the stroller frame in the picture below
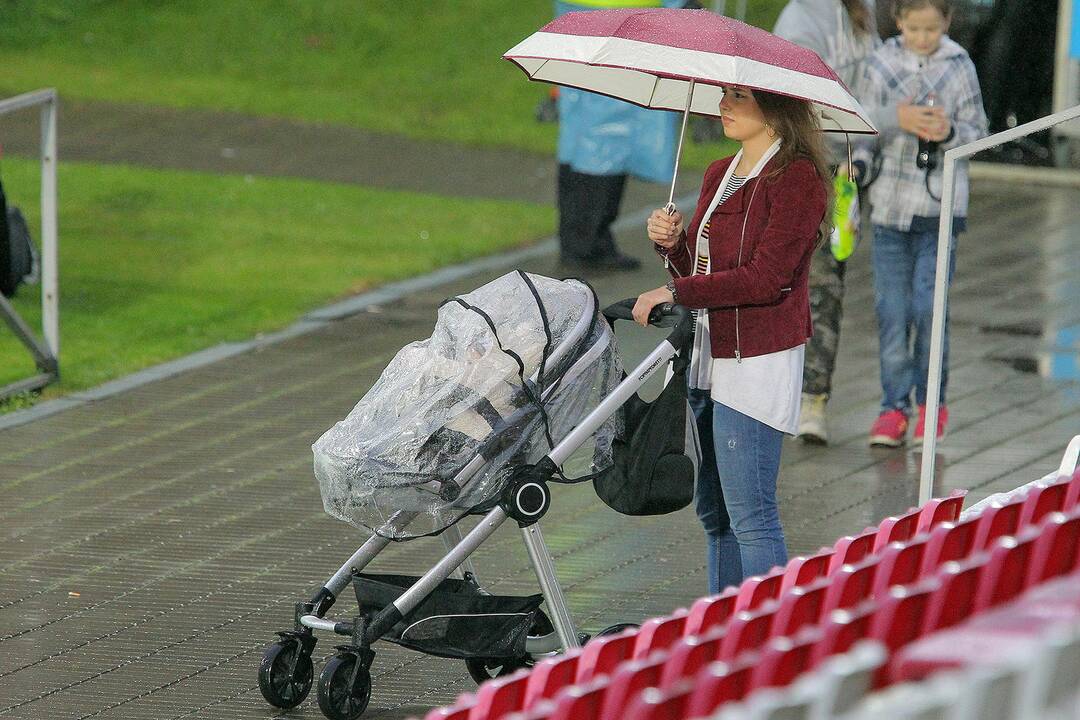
(286, 673)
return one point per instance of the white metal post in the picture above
(50, 271)
(46, 353)
(941, 278)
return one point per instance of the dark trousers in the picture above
(588, 204)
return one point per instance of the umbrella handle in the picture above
(678, 150)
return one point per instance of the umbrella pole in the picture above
(670, 207)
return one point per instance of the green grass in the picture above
(430, 69)
(157, 264)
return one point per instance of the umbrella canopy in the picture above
(672, 59)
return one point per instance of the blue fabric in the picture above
(736, 493)
(904, 268)
(599, 135)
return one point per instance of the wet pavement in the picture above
(152, 542)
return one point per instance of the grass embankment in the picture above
(158, 264)
(430, 70)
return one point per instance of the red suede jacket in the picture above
(761, 304)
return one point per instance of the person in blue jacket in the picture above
(601, 142)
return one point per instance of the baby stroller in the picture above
(519, 382)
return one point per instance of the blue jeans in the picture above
(904, 268)
(736, 492)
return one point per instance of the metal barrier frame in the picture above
(46, 354)
(941, 278)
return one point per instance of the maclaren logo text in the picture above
(648, 370)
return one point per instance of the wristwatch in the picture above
(671, 289)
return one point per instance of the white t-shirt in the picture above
(768, 387)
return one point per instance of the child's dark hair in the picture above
(901, 7)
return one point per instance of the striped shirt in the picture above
(701, 267)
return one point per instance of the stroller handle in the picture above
(665, 315)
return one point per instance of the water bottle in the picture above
(927, 157)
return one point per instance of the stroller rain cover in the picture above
(510, 369)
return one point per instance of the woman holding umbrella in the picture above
(743, 263)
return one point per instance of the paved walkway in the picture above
(152, 541)
(227, 142)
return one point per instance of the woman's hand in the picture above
(665, 230)
(647, 301)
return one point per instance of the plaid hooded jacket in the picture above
(893, 75)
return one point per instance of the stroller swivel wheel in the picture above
(285, 674)
(340, 698)
(617, 628)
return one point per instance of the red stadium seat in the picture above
(899, 618)
(454, 712)
(898, 564)
(655, 704)
(897, 529)
(954, 600)
(748, 631)
(1005, 631)
(949, 542)
(842, 629)
(579, 702)
(1043, 500)
(998, 521)
(1072, 498)
(851, 549)
(758, 589)
(805, 569)
(500, 696)
(954, 648)
(851, 585)
(1006, 572)
(710, 612)
(1056, 548)
(601, 655)
(551, 675)
(627, 682)
(802, 605)
(720, 683)
(659, 633)
(941, 510)
(689, 655)
(783, 659)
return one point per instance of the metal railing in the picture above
(45, 353)
(941, 278)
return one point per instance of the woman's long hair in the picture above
(799, 129)
(859, 15)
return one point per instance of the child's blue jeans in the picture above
(904, 268)
(736, 492)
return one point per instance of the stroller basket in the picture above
(456, 620)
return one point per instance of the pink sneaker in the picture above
(889, 429)
(920, 424)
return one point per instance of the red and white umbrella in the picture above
(672, 59)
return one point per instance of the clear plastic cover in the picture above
(434, 437)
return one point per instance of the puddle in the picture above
(1015, 329)
(1024, 364)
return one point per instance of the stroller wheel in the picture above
(339, 697)
(616, 629)
(483, 669)
(285, 674)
